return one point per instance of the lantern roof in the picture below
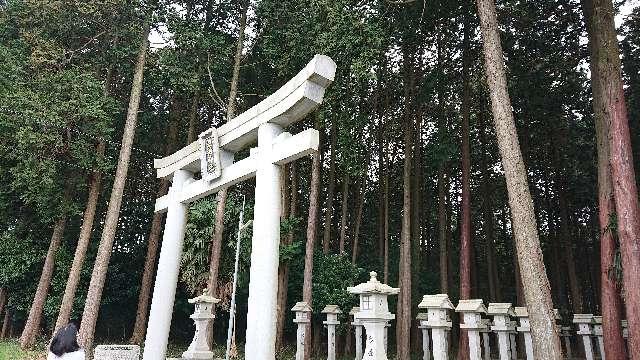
(373, 286)
(301, 306)
(500, 309)
(331, 309)
(521, 311)
(583, 318)
(204, 298)
(471, 305)
(438, 301)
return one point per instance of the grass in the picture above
(10, 350)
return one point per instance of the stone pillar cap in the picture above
(423, 316)
(521, 311)
(331, 309)
(582, 318)
(471, 306)
(597, 320)
(301, 306)
(438, 301)
(354, 310)
(504, 309)
(373, 286)
(204, 298)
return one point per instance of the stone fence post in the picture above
(303, 312)
(584, 322)
(525, 328)
(426, 351)
(472, 311)
(332, 312)
(486, 344)
(357, 325)
(438, 307)
(597, 331)
(503, 326)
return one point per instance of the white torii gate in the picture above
(213, 156)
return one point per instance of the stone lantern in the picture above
(584, 322)
(472, 311)
(303, 317)
(422, 318)
(502, 324)
(332, 312)
(374, 314)
(202, 316)
(357, 324)
(438, 307)
(525, 328)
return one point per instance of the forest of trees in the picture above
(482, 149)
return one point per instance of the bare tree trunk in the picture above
(193, 118)
(442, 231)
(312, 235)
(546, 343)
(146, 285)
(94, 295)
(326, 239)
(610, 94)
(5, 324)
(344, 212)
(386, 226)
(283, 268)
(32, 326)
(381, 198)
(233, 87)
(611, 301)
(95, 185)
(466, 245)
(403, 327)
(360, 207)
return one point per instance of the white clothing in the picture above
(76, 355)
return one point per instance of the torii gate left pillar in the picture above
(213, 156)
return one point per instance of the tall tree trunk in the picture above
(403, 327)
(283, 268)
(221, 197)
(344, 212)
(3, 299)
(326, 239)
(32, 326)
(381, 198)
(605, 59)
(146, 285)
(358, 222)
(466, 244)
(6, 324)
(546, 343)
(611, 301)
(312, 235)
(95, 185)
(386, 226)
(442, 230)
(94, 295)
(487, 210)
(193, 118)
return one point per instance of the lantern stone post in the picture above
(374, 314)
(357, 325)
(202, 316)
(303, 312)
(597, 331)
(422, 318)
(486, 345)
(503, 326)
(525, 328)
(584, 322)
(438, 307)
(472, 311)
(332, 312)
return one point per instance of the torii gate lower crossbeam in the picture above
(264, 123)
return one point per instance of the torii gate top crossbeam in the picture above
(289, 104)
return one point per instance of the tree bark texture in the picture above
(94, 295)
(358, 222)
(610, 90)
(32, 326)
(6, 324)
(283, 268)
(611, 301)
(442, 230)
(326, 239)
(344, 214)
(546, 343)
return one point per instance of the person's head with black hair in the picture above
(65, 341)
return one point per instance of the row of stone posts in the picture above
(589, 327)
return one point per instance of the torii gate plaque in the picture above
(264, 122)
